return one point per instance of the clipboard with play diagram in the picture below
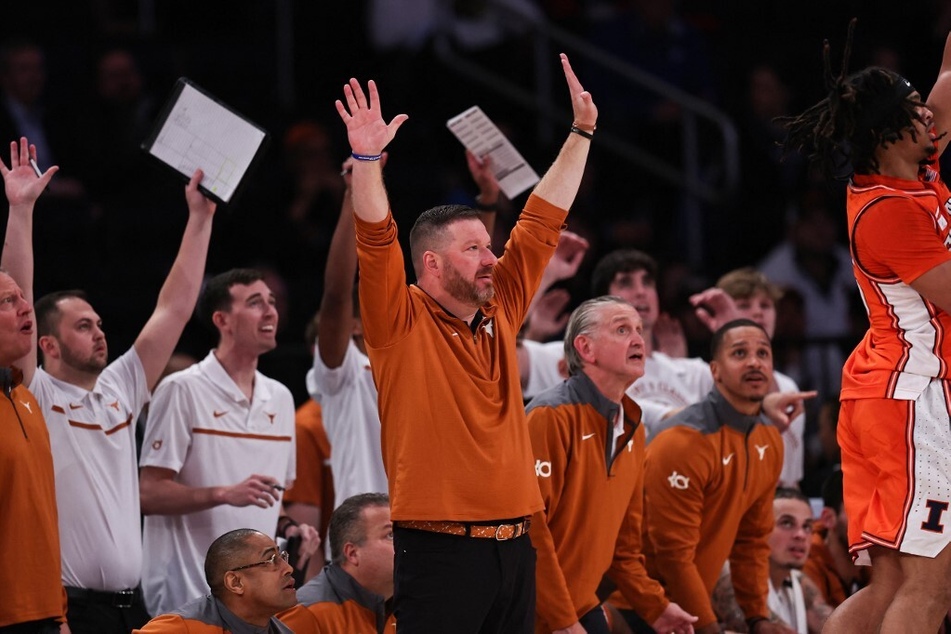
(196, 130)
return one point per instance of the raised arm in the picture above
(560, 183)
(940, 98)
(22, 188)
(487, 202)
(336, 304)
(176, 301)
(368, 135)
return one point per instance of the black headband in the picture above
(877, 109)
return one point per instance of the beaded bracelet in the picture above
(366, 157)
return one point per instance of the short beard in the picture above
(89, 366)
(464, 290)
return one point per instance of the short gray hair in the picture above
(582, 322)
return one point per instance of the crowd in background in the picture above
(97, 74)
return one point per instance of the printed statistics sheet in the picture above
(196, 130)
(482, 137)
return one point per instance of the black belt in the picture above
(118, 599)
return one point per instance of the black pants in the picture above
(594, 622)
(46, 626)
(96, 617)
(464, 585)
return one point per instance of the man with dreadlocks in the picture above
(896, 397)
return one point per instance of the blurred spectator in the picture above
(815, 264)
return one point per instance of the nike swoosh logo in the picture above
(218, 414)
(586, 436)
(71, 406)
(727, 460)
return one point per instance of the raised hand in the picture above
(367, 132)
(582, 105)
(197, 202)
(20, 182)
(714, 308)
(484, 177)
(567, 257)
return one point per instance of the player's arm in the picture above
(336, 304)
(939, 101)
(550, 446)
(161, 494)
(176, 300)
(817, 610)
(560, 184)
(674, 494)
(22, 188)
(368, 135)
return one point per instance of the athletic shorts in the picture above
(896, 466)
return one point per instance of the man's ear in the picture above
(827, 517)
(715, 371)
(49, 346)
(219, 318)
(350, 554)
(432, 264)
(234, 583)
(584, 348)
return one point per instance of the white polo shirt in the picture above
(92, 436)
(669, 383)
(348, 402)
(202, 427)
(543, 360)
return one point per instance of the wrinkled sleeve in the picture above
(550, 446)
(674, 495)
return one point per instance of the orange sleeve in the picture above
(673, 495)
(166, 624)
(554, 604)
(919, 250)
(749, 558)
(519, 270)
(627, 569)
(308, 485)
(384, 296)
(300, 620)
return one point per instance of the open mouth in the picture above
(27, 328)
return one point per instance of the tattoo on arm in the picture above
(725, 607)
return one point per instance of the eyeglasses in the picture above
(270, 561)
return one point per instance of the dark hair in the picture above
(347, 524)
(861, 112)
(620, 261)
(832, 491)
(717, 341)
(427, 233)
(47, 313)
(224, 554)
(789, 493)
(217, 293)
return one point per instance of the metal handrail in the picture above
(539, 100)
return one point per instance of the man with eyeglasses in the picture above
(353, 592)
(250, 582)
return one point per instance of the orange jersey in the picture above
(593, 489)
(29, 533)
(314, 482)
(898, 229)
(709, 481)
(455, 443)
